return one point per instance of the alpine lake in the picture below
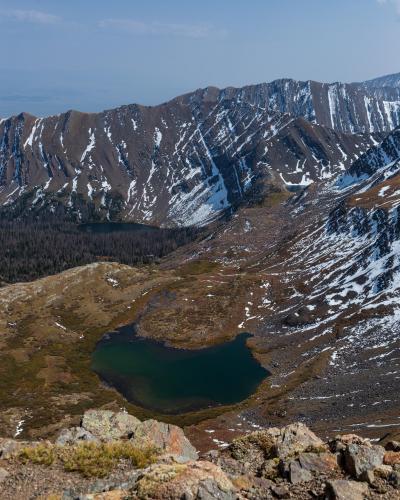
(176, 381)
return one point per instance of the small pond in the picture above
(112, 227)
(173, 381)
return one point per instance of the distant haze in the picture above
(99, 54)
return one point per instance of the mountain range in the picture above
(195, 157)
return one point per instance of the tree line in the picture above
(31, 249)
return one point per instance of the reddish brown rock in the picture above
(347, 490)
(391, 458)
(322, 463)
(167, 438)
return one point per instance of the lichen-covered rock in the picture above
(74, 435)
(297, 474)
(296, 438)
(273, 463)
(341, 442)
(383, 471)
(108, 425)
(193, 480)
(166, 438)
(107, 495)
(253, 449)
(360, 458)
(10, 447)
(341, 489)
(276, 443)
(270, 469)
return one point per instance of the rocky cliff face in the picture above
(382, 157)
(187, 161)
(370, 216)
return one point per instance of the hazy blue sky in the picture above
(96, 54)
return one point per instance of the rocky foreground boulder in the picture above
(106, 425)
(115, 456)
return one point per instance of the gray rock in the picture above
(297, 474)
(368, 476)
(341, 489)
(394, 479)
(280, 491)
(169, 458)
(383, 471)
(210, 490)
(102, 486)
(10, 447)
(75, 435)
(360, 458)
(3, 474)
(167, 438)
(108, 425)
(296, 438)
(231, 466)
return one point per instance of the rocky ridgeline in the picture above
(187, 161)
(291, 462)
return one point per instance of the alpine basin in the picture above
(173, 381)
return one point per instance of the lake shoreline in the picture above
(155, 376)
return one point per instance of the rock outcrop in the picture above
(290, 462)
(108, 425)
(168, 438)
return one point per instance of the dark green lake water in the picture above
(173, 381)
(112, 227)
